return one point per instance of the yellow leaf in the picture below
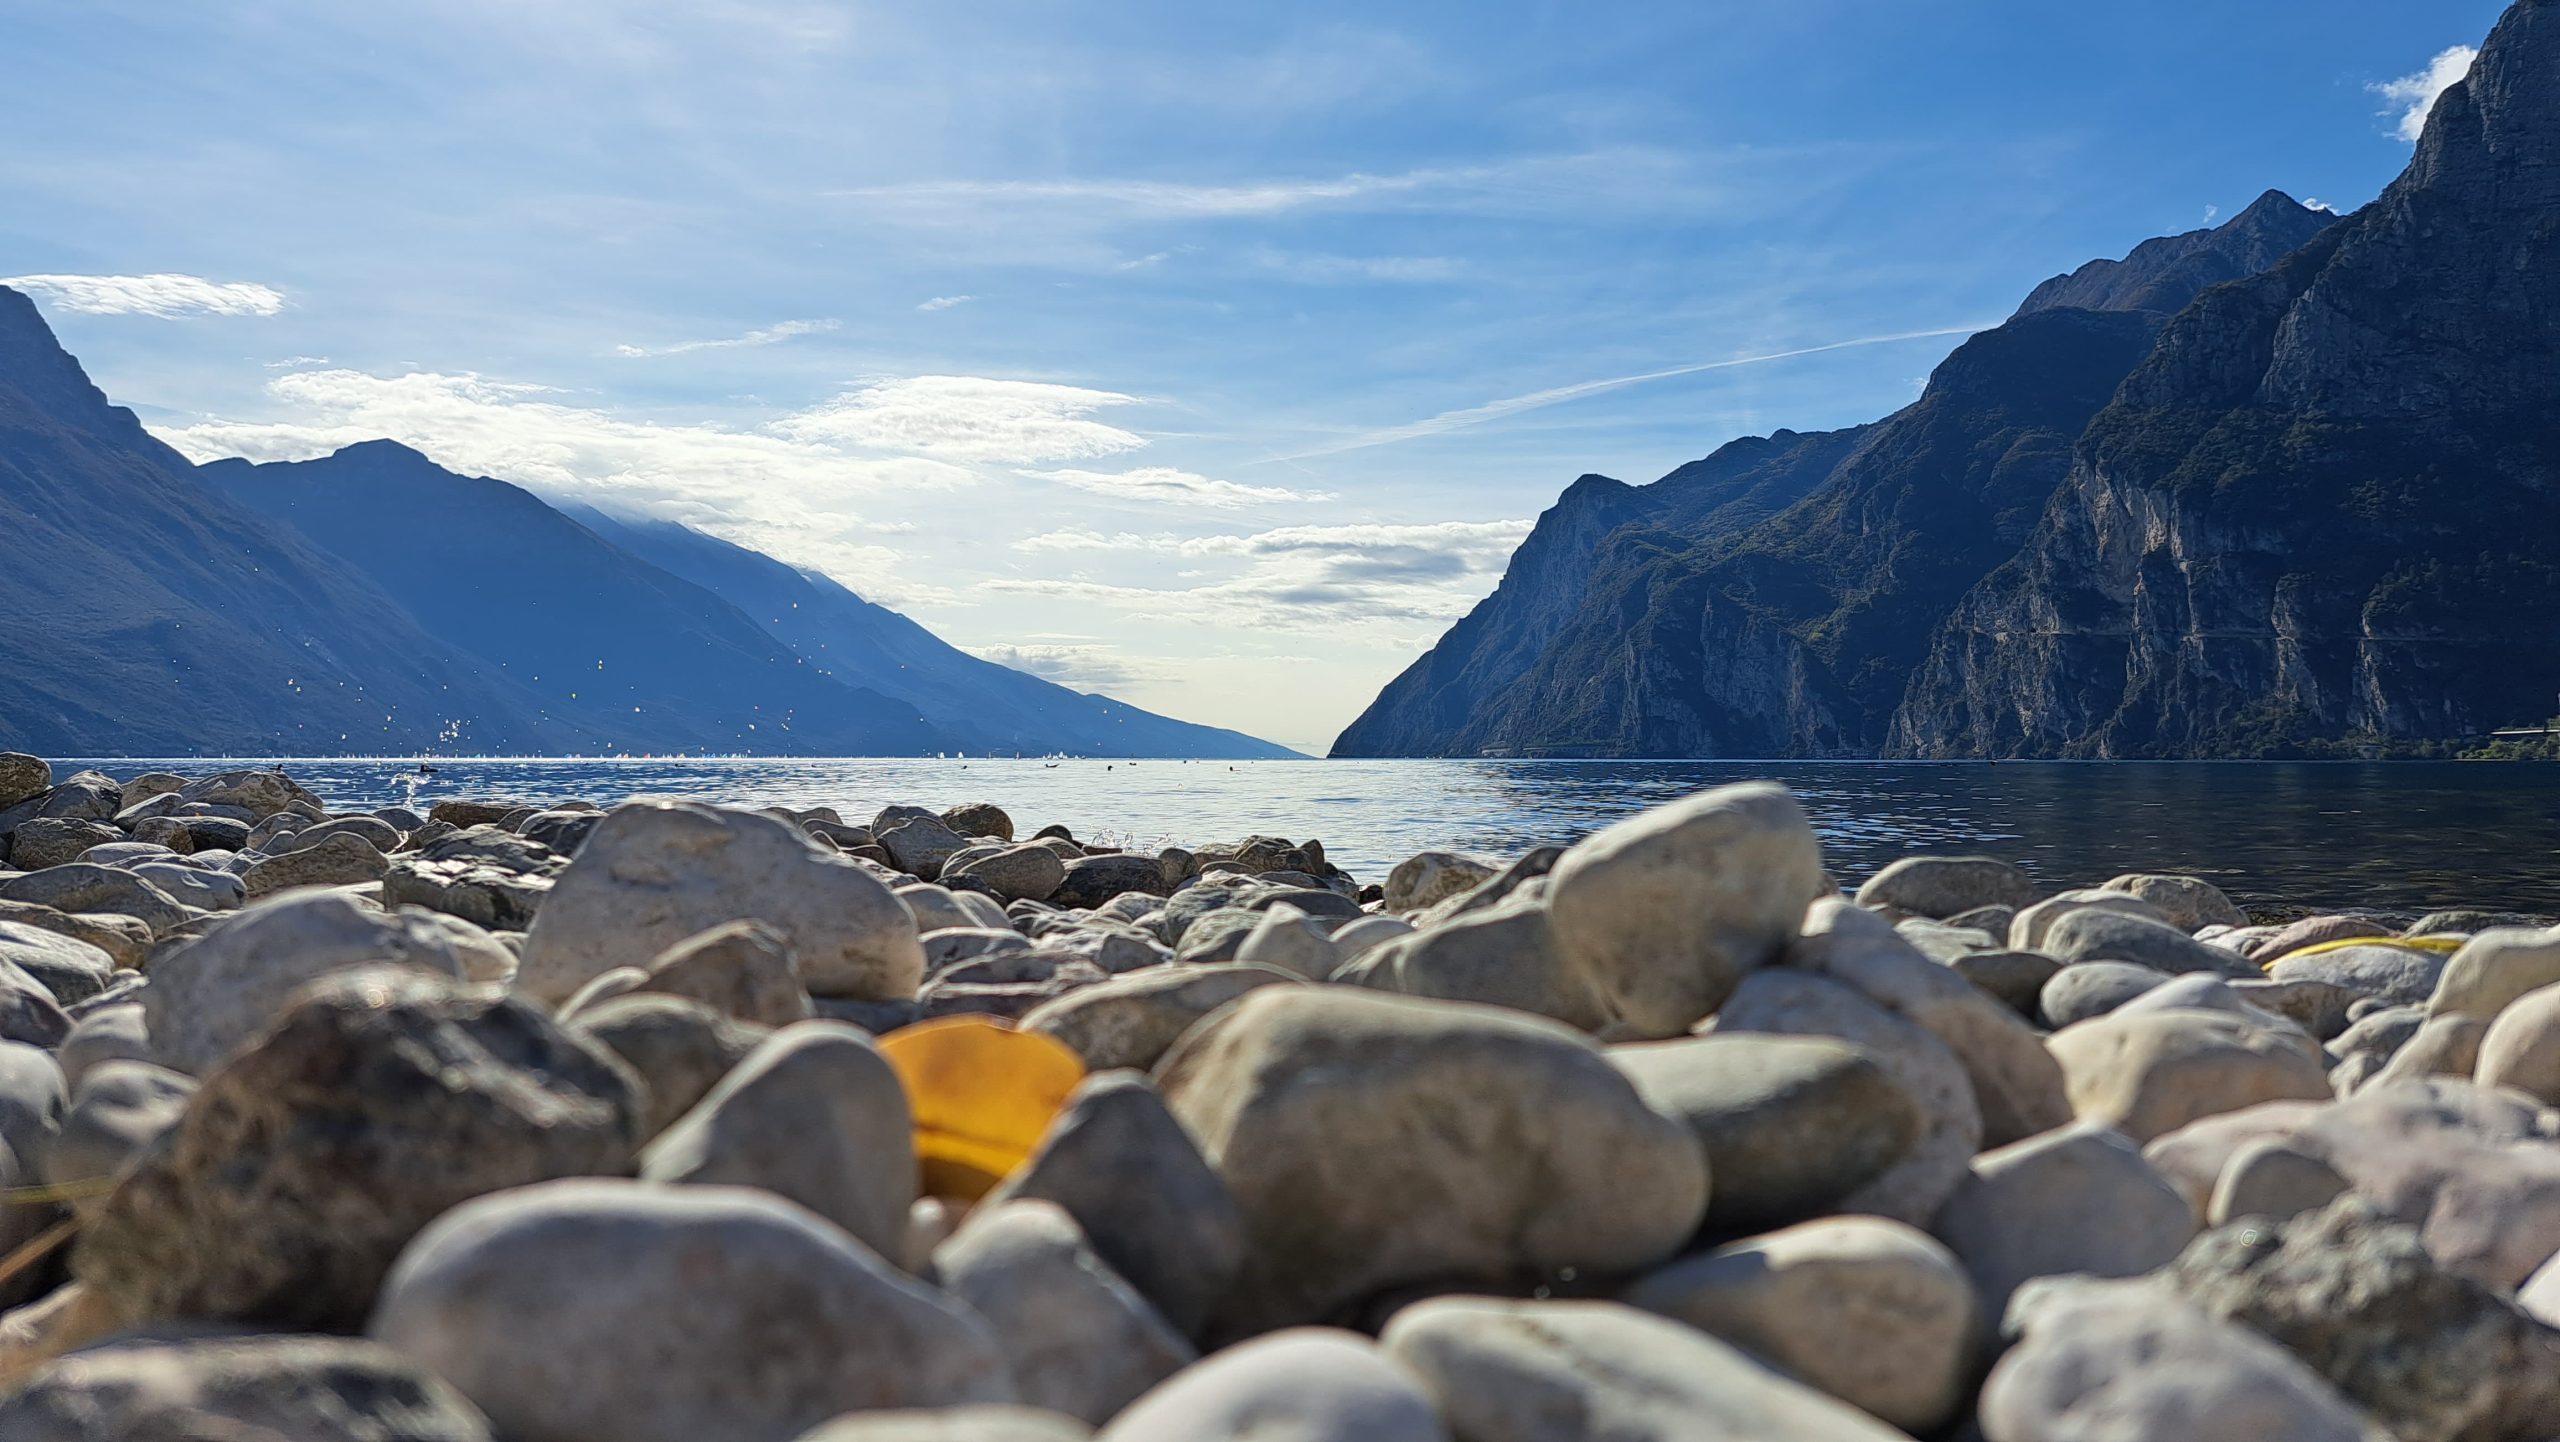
(983, 1094)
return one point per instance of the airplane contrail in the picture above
(1534, 400)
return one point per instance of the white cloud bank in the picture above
(167, 297)
(969, 418)
(794, 487)
(2415, 95)
(770, 335)
(1182, 488)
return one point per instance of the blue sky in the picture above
(1211, 355)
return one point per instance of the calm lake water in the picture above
(2402, 836)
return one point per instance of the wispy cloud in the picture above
(1617, 181)
(297, 362)
(1167, 198)
(944, 302)
(165, 296)
(2414, 95)
(1374, 583)
(969, 418)
(770, 335)
(1334, 269)
(1557, 395)
(1172, 487)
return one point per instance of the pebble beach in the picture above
(530, 1119)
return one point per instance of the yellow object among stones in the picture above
(2442, 945)
(982, 1093)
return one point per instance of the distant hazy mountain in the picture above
(983, 706)
(602, 637)
(143, 614)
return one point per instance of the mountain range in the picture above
(2288, 486)
(373, 602)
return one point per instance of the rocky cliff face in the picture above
(2314, 513)
(141, 614)
(2164, 274)
(1774, 598)
(2322, 514)
(1796, 636)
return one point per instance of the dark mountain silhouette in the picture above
(1775, 598)
(2321, 515)
(371, 601)
(143, 614)
(603, 637)
(2165, 274)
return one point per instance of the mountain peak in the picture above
(2504, 117)
(34, 363)
(2166, 274)
(2270, 208)
(384, 452)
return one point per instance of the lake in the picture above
(2401, 836)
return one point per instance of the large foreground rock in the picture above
(655, 873)
(1503, 955)
(1078, 1338)
(125, 940)
(2080, 1200)
(1117, 1161)
(2433, 1356)
(1783, 1001)
(381, 1099)
(1131, 1019)
(815, 1116)
(209, 997)
(1373, 1142)
(1307, 1384)
(618, 1311)
(2494, 968)
(1602, 1372)
(2476, 1171)
(23, 776)
(1664, 912)
(239, 1389)
(2149, 1073)
(1875, 1313)
(1093, 880)
(2190, 903)
(680, 1048)
(1944, 886)
(1427, 878)
(2016, 1084)
(952, 1424)
(1791, 1125)
(340, 860)
(2133, 1362)
(744, 969)
(87, 888)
